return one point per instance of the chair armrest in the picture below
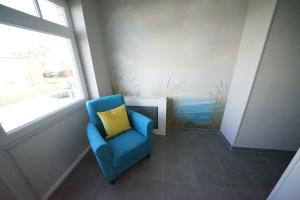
(101, 150)
(141, 123)
(95, 138)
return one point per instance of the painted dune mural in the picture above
(184, 51)
(185, 112)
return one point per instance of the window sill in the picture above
(39, 124)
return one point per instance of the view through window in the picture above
(52, 12)
(38, 75)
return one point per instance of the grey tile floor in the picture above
(185, 164)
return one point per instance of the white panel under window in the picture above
(38, 75)
(52, 12)
(26, 6)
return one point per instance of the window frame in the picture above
(16, 18)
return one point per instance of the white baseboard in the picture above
(157, 132)
(65, 174)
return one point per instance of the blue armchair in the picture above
(117, 154)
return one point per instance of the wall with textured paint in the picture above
(180, 49)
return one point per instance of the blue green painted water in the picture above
(195, 110)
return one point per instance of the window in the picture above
(26, 6)
(38, 68)
(46, 9)
(52, 12)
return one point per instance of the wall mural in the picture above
(182, 50)
(206, 112)
(183, 112)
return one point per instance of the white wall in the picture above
(34, 162)
(84, 48)
(85, 16)
(97, 49)
(272, 117)
(257, 23)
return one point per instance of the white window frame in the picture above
(12, 17)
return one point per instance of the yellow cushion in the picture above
(115, 121)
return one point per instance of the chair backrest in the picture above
(100, 105)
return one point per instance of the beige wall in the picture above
(193, 42)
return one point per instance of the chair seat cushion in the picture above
(126, 147)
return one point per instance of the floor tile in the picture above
(222, 152)
(210, 172)
(145, 189)
(180, 191)
(200, 149)
(176, 134)
(89, 161)
(278, 162)
(175, 147)
(194, 135)
(149, 168)
(258, 170)
(216, 193)
(207, 167)
(83, 183)
(159, 145)
(238, 178)
(185, 164)
(249, 195)
(178, 168)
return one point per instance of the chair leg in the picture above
(112, 182)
